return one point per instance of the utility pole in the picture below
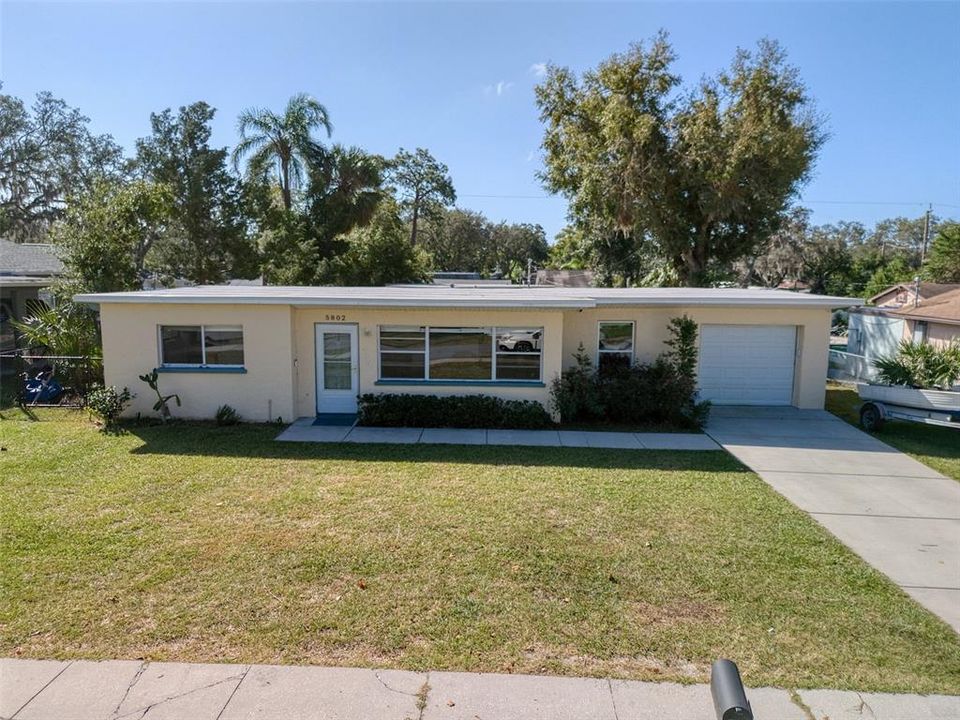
(926, 234)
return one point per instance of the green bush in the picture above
(108, 403)
(227, 415)
(575, 394)
(921, 365)
(664, 391)
(457, 411)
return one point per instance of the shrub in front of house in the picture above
(661, 392)
(456, 411)
(108, 403)
(227, 415)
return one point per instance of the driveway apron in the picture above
(899, 515)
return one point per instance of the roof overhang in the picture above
(518, 298)
(22, 281)
(926, 318)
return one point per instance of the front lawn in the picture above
(197, 543)
(938, 447)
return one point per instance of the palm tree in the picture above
(282, 139)
(346, 188)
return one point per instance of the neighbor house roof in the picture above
(565, 278)
(927, 290)
(28, 260)
(943, 307)
(518, 296)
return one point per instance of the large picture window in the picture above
(186, 345)
(615, 344)
(460, 353)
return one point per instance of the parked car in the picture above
(521, 341)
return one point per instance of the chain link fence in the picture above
(39, 380)
(850, 368)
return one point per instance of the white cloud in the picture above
(538, 69)
(499, 89)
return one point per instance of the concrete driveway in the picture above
(899, 515)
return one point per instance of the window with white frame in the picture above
(460, 353)
(615, 343)
(403, 352)
(201, 345)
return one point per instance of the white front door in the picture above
(338, 372)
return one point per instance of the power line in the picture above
(802, 202)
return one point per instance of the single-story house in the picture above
(935, 320)
(922, 312)
(296, 351)
(26, 270)
(904, 295)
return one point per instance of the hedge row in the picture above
(459, 411)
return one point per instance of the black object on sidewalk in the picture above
(729, 698)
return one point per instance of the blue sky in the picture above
(458, 79)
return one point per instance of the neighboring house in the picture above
(911, 311)
(908, 294)
(295, 351)
(794, 285)
(26, 269)
(935, 320)
(564, 278)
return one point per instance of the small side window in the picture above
(201, 345)
(615, 344)
(181, 345)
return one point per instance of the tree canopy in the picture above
(466, 241)
(208, 239)
(108, 233)
(423, 186)
(943, 262)
(281, 145)
(47, 154)
(692, 178)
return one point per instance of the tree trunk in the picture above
(695, 259)
(285, 183)
(413, 225)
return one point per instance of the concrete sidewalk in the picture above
(132, 690)
(899, 515)
(303, 430)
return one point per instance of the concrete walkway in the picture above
(133, 690)
(303, 430)
(899, 515)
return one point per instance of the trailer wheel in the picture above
(871, 418)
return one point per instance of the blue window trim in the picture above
(224, 369)
(465, 383)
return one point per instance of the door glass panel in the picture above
(337, 362)
(336, 346)
(336, 375)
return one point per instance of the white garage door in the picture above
(747, 364)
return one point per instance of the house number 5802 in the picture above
(336, 318)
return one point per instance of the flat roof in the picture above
(518, 296)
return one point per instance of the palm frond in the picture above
(246, 145)
(306, 113)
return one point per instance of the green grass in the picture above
(938, 447)
(197, 543)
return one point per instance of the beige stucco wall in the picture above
(280, 350)
(813, 337)
(938, 334)
(263, 393)
(367, 320)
